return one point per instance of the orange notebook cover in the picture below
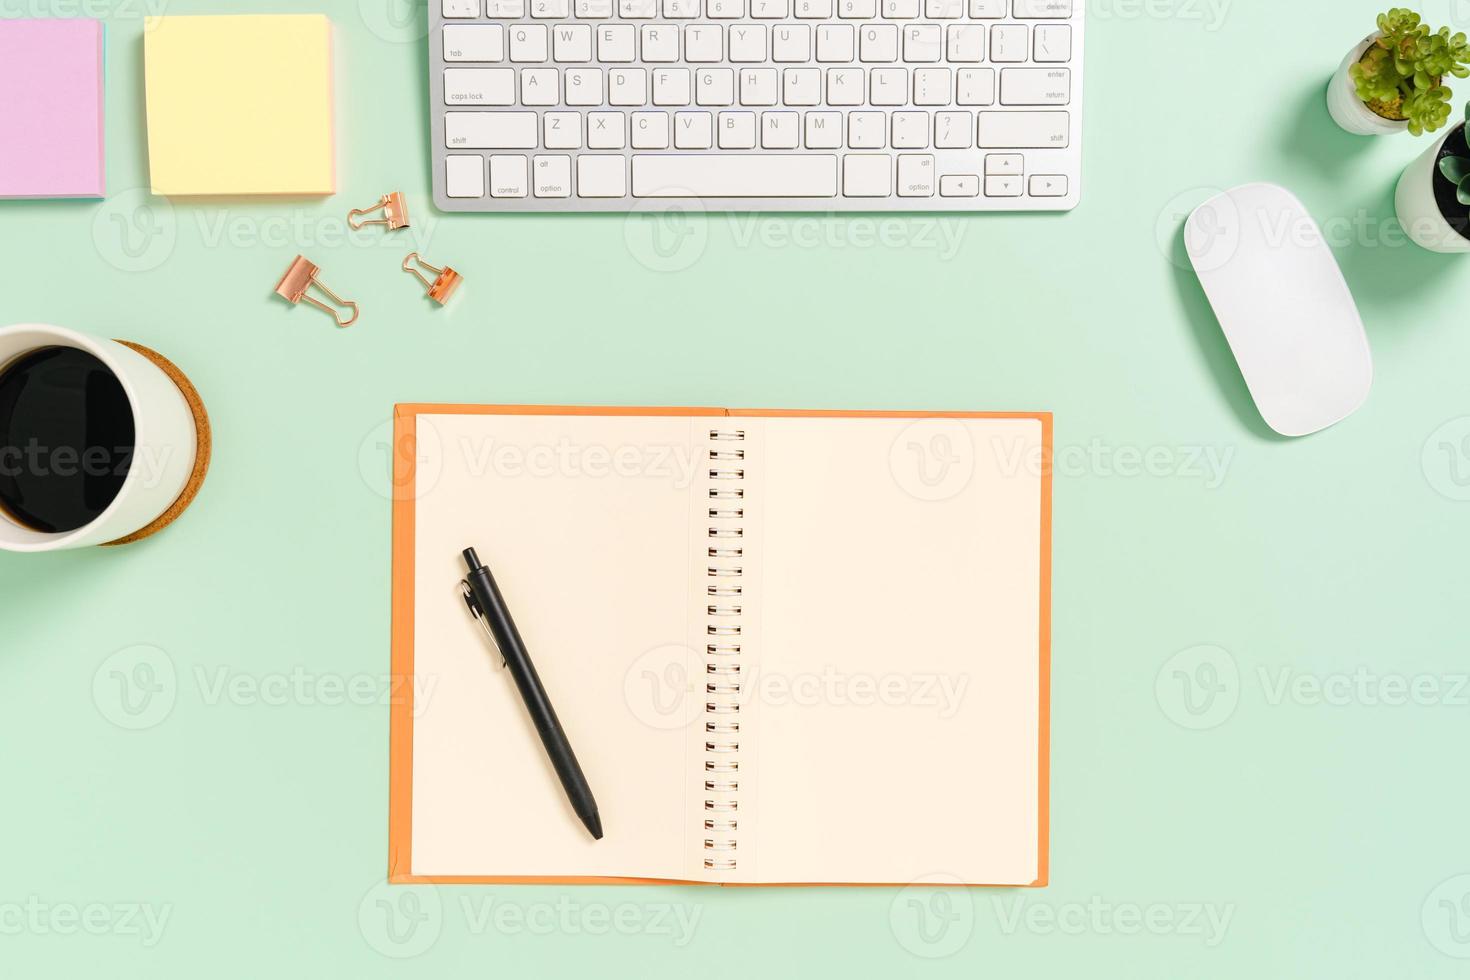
(787, 647)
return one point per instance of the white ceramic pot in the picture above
(166, 441)
(1417, 209)
(1349, 111)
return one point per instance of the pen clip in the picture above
(479, 615)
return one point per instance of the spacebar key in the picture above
(734, 175)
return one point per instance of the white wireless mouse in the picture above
(1284, 306)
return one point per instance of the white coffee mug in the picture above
(166, 441)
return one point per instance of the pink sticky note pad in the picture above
(51, 132)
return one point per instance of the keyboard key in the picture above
(835, 42)
(944, 9)
(932, 86)
(857, 9)
(959, 185)
(539, 87)
(527, 42)
(553, 176)
(867, 175)
(593, 9)
(823, 130)
(954, 130)
(724, 9)
(615, 43)
(923, 42)
(900, 9)
(606, 131)
(878, 42)
(845, 86)
(966, 42)
(627, 86)
(813, 9)
(571, 42)
(601, 176)
(1004, 164)
(703, 44)
(987, 9)
(1008, 43)
(637, 10)
(1038, 9)
(490, 130)
(455, 9)
(758, 86)
(551, 9)
(583, 86)
(1035, 86)
(474, 42)
(770, 9)
(712, 175)
(505, 9)
(693, 130)
(650, 130)
(479, 86)
(975, 86)
(561, 130)
(465, 176)
(802, 86)
(1048, 185)
(910, 130)
(780, 130)
(791, 44)
(681, 9)
(660, 43)
(1023, 130)
(671, 86)
(1053, 43)
(737, 130)
(915, 175)
(888, 86)
(1002, 186)
(714, 86)
(867, 130)
(507, 176)
(747, 43)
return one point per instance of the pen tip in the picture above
(594, 824)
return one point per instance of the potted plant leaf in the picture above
(1433, 197)
(1394, 80)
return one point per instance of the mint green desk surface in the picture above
(1260, 709)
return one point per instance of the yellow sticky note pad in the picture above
(240, 104)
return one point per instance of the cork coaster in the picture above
(201, 455)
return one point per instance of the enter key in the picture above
(1036, 86)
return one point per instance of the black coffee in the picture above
(66, 439)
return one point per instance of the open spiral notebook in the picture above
(787, 647)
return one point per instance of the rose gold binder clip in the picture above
(395, 213)
(299, 278)
(441, 288)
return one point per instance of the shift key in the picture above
(1024, 130)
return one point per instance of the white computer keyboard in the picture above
(773, 105)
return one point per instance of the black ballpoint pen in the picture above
(488, 607)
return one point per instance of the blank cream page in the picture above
(898, 685)
(584, 522)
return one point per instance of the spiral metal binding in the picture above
(724, 615)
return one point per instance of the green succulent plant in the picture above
(1401, 76)
(1457, 170)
